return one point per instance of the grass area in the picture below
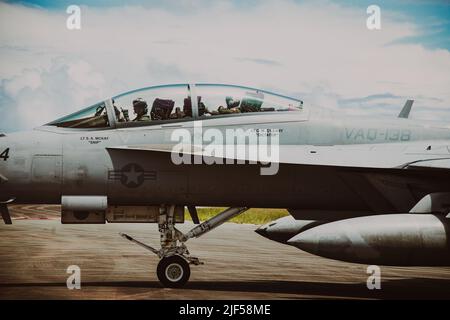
(252, 216)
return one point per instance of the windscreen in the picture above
(92, 117)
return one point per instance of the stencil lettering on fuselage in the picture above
(373, 134)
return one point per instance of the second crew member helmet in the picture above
(139, 103)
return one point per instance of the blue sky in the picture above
(318, 51)
(433, 16)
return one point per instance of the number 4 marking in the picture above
(5, 155)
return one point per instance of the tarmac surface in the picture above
(36, 251)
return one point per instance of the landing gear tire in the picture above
(173, 271)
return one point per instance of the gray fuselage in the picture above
(49, 162)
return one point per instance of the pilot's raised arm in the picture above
(141, 110)
(121, 115)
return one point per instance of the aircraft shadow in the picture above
(414, 288)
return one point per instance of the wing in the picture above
(393, 155)
(386, 177)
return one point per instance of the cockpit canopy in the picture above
(180, 102)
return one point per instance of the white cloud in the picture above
(29, 79)
(38, 96)
(320, 50)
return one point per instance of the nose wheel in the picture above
(173, 271)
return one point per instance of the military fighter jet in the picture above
(359, 189)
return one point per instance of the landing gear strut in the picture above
(173, 269)
(4, 208)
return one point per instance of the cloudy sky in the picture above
(320, 51)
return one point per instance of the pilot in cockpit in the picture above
(141, 110)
